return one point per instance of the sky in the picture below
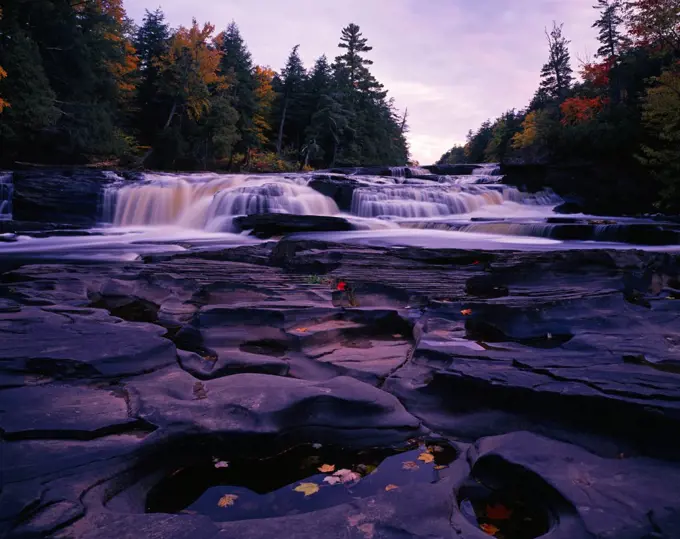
(452, 63)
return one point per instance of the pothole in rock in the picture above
(484, 332)
(303, 479)
(506, 513)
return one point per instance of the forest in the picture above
(622, 117)
(80, 83)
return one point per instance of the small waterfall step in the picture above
(6, 194)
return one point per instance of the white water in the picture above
(6, 190)
(208, 201)
(168, 212)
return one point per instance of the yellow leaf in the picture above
(440, 467)
(327, 468)
(391, 487)
(426, 457)
(410, 465)
(227, 500)
(489, 528)
(307, 488)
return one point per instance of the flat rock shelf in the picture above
(309, 389)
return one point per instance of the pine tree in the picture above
(293, 78)
(352, 66)
(152, 43)
(237, 66)
(608, 26)
(556, 75)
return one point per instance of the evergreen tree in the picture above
(152, 43)
(608, 26)
(237, 66)
(293, 78)
(556, 75)
(351, 67)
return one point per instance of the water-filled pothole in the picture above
(505, 513)
(300, 480)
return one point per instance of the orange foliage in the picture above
(579, 110)
(598, 74)
(264, 98)
(193, 66)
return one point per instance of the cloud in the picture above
(452, 63)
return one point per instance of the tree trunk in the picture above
(279, 142)
(172, 115)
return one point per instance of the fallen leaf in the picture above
(435, 449)
(489, 528)
(227, 500)
(410, 465)
(221, 464)
(397, 336)
(426, 457)
(327, 468)
(301, 330)
(346, 476)
(307, 488)
(342, 286)
(331, 480)
(466, 312)
(440, 467)
(391, 487)
(317, 446)
(498, 512)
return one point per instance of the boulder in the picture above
(268, 225)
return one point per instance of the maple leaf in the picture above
(498, 512)
(327, 468)
(227, 500)
(410, 465)
(426, 457)
(391, 487)
(466, 312)
(307, 488)
(342, 286)
(220, 463)
(440, 467)
(301, 330)
(489, 528)
(331, 480)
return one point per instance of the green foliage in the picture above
(661, 117)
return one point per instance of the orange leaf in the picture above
(466, 312)
(327, 468)
(498, 512)
(301, 330)
(409, 465)
(227, 500)
(489, 528)
(391, 487)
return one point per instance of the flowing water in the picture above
(6, 190)
(170, 212)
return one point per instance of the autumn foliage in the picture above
(598, 75)
(579, 110)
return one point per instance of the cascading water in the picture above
(6, 193)
(209, 201)
(426, 202)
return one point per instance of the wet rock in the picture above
(58, 195)
(277, 224)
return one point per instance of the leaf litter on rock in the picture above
(307, 488)
(227, 500)
(327, 468)
(427, 458)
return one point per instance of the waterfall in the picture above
(208, 201)
(406, 172)
(6, 191)
(412, 202)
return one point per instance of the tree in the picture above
(454, 156)
(535, 130)
(661, 116)
(556, 75)
(152, 43)
(477, 143)
(608, 26)
(293, 77)
(237, 66)
(351, 67)
(264, 98)
(655, 23)
(502, 132)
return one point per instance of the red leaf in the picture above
(498, 512)
(342, 286)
